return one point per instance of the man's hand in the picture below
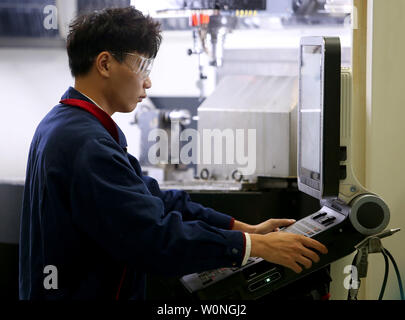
(267, 226)
(287, 249)
(272, 225)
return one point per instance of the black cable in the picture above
(386, 272)
(401, 289)
(351, 279)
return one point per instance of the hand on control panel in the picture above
(270, 225)
(287, 249)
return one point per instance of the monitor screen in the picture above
(319, 116)
(311, 96)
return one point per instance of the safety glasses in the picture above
(138, 64)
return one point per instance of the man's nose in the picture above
(147, 84)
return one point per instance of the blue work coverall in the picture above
(89, 213)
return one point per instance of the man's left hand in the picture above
(272, 225)
(267, 226)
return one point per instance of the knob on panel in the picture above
(369, 214)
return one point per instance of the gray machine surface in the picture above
(265, 104)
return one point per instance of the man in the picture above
(88, 211)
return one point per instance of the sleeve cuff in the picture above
(218, 219)
(231, 223)
(248, 247)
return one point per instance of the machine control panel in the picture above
(318, 222)
(253, 271)
(259, 277)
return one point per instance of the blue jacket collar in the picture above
(72, 93)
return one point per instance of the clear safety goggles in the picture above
(139, 64)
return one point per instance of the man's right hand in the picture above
(286, 249)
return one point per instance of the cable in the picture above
(386, 254)
(351, 279)
(387, 268)
(401, 289)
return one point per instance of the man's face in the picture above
(128, 82)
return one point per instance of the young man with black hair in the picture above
(88, 210)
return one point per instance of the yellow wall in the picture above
(379, 70)
(385, 131)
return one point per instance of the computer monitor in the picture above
(319, 117)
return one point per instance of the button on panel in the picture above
(319, 215)
(327, 220)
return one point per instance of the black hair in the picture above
(116, 30)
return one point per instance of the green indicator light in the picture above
(268, 280)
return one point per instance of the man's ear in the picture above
(103, 63)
